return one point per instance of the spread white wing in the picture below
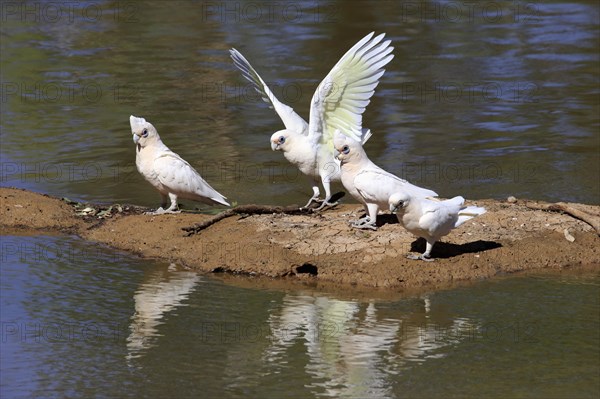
(377, 185)
(290, 118)
(341, 98)
(184, 181)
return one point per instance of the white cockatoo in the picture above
(168, 172)
(367, 182)
(338, 103)
(431, 219)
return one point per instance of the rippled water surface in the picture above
(484, 100)
(79, 320)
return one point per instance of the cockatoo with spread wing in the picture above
(367, 182)
(170, 174)
(338, 103)
(431, 219)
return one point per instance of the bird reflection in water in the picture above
(355, 348)
(163, 292)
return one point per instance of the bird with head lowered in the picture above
(431, 219)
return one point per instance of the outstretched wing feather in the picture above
(341, 98)
(289, 117)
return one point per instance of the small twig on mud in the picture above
(592, 220)
(251, 209)
(245, 210)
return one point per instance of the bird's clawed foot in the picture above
(161, 211)
(329, 202)
(364, 223)
(312, 199)
(326, 204)
(424, 257)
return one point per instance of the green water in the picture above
(484, 101)
(487, 102)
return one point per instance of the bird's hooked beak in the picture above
(136, 123)
(336, 154)
(394, 207)
(274, 145)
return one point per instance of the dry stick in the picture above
(245, 209)
(590, 219)
(252, 209)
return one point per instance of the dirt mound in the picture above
(510, 237)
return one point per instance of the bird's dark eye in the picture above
(145, 133)
(345, 149)
(281, 140)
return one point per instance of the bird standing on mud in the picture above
(170, 174)
(431, 219)
(368, 183)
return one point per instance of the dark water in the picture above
(484, 100)
(79, 320)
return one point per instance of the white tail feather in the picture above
(469, 213)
